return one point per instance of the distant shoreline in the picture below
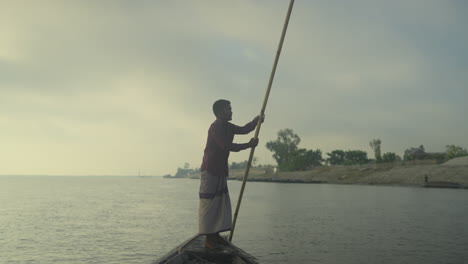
(442, 176)
(447, 175)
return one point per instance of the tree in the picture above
(238, 165)
(243, 164)
(455, 151)
(439, 156)
(336, 157)
(303, 159)
(375, 145)
(390, 157)
(354, 157)
(284, 146)
(287, 154)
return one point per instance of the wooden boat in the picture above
(193, 251)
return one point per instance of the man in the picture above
(214, 214)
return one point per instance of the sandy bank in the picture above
(382, 174)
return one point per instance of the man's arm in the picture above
(238, 147)
(223, 141)
(249, 127)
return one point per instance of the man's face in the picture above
(227, 113)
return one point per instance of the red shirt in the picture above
(219, 145)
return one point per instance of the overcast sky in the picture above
(113, 87)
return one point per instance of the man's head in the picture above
(222, 110)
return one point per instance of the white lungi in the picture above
(214, 212)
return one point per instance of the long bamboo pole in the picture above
(262, 112)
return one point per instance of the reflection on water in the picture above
(135, 220)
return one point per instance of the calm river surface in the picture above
(135, 220)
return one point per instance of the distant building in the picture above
(420, 154)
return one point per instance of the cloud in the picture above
(112, 86)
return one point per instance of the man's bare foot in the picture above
(211, 242)
(211, 245)
(220, 240)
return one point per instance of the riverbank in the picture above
(449, 174)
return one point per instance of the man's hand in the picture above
(253, 142)
(262, 118)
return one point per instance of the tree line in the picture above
(289, 157)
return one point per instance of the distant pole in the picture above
(262, 112)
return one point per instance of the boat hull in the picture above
(193, 251)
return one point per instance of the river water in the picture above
(134, 220)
